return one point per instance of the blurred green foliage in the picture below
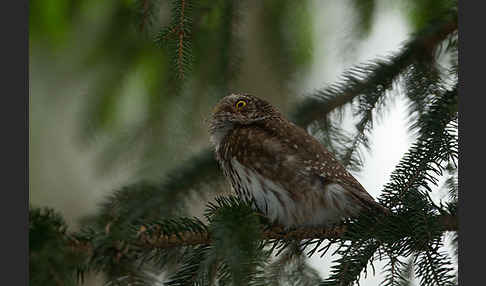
(420, 12)
(52, 259)
(130, 51)
(132, 48)
(138, 78)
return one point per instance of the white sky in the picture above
(389, 139)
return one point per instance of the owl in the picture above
(283, 171)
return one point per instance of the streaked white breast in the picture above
(273, 200)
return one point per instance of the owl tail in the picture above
(381, 209)
(369, 204)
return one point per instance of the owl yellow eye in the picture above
(240, 104)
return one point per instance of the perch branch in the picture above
(449, 223)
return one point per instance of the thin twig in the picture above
(181, 40)
(145, 13)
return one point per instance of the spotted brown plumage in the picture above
(287, 173)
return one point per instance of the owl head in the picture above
(237, 110)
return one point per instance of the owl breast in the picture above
(319, 206)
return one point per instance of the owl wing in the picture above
(295, 160)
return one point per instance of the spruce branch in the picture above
(284, 268)
(436, 145)
(156, 238)
(352, 262)
(398, 272)
(155, 241)
(370, 83)
(53, 253)
(378, 74)
(434, 268)
(159, 200)
(178, 34)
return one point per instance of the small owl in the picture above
(282, 170)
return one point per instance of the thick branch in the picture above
(448, 223)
